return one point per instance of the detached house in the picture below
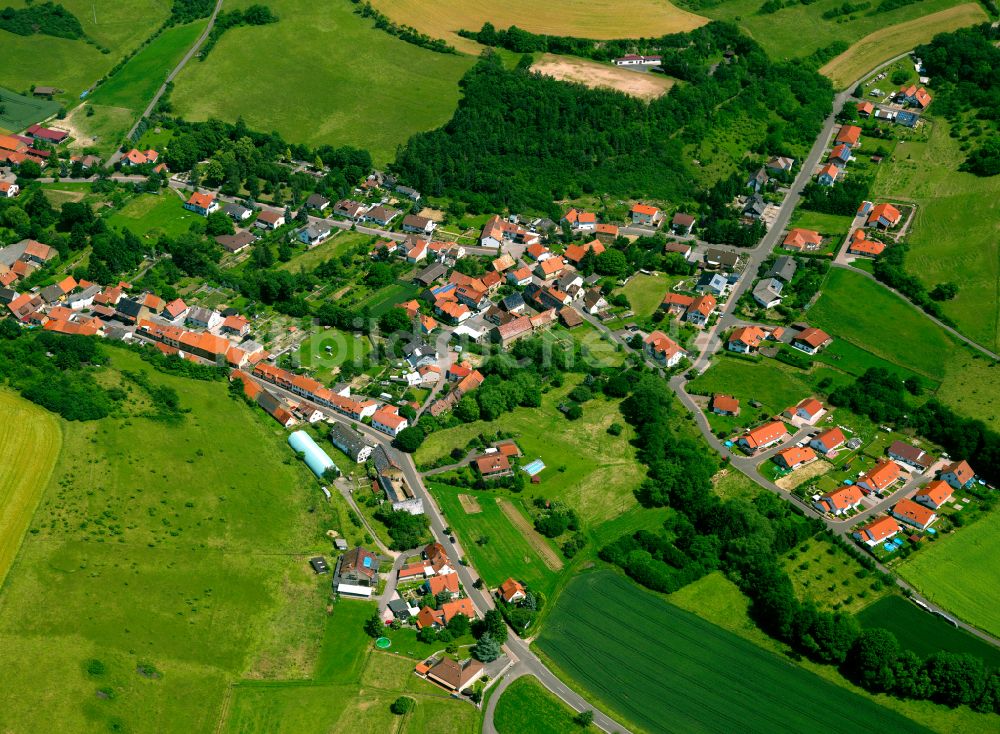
(314, 233)
(550, 268)
(700, 310)
(880, 478)
(959, 475)
(725, 405)
(388, 420)
(646, 215)
(663, 349)
(357, 573)
(581, 221)
(758, 180)
(861, 245)
(764, 436)
(913, 96)
(934, 494)
(883, 216)
(202, 203)
(877, 530)
(849, 135)
(793, 457)
(828, 175)
(811, 340)
(682, 224)
(914, 514)
(270, 220)
(511, 591)
(840, 156)
(918, 459)
(139, 157)
(382, 215)
(829, 440)
(802, 239)
(767, 293)
(839, 501)
(418, 225)
(576, 253)
(746, 339)
(353, 210)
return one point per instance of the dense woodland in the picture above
(50, 19)
(519, 140)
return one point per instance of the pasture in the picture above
(76, 65)
(958, 571)
(885, 42)
(175, 549)
(597, 483)
(20, 111)
(30, 438)
(331, 77)
(602, 19)
(924, 633)
(527, 705)
(603, 76)
(150, 215)
(955, 236)
(658, 662)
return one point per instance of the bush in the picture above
(402, 705)
(95, 668)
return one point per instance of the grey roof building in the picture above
(713, 283)
(768, 292)
(351, 442)
(784, 268)
(237, 211)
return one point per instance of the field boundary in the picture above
(535, 540)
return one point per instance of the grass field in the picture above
(339, 244)
(183, 547)
(506, 553)
(958, 571)
(527, 705)
(149, 215)
(344, 347)
(886, 42)
(924, 633)
(600, 19)
(659, 663)
(30, 438)
(597, 482)
(956, 234)
(603, 76)
(75, 65)
(825, 573)
(20, 111)
(719, 601)
(330, 78)
(769, 382)
(646, 292)
(831, 225)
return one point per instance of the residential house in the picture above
(808, 411)
(570, 317)
(746, 339)
(839, 501)
(724, 405)
(576, 253)
(203, 318)
(881, 477)
(811, 340)
(663, 349)
(758, 180)
(722, 259)
(174, 310)
(24, 306)
(417, 251)
(784, 268)
(849, 135)
(357, 573)
(828, 175)
(314, 233)
(828, 440)
(840, 155)
(418, 225)
(594, 301)
(506, 334)
(139, 157)
(767, 292)
(763, 436)
(512, 591)
(934, 494)
(883, 216)
(913, 96)
(700, 310)
(382, 215)
(438, 584)
(503, 263)
(638, 60)
(83, 299)
(606, 232)
(679, 248)
(513, 303)
(202, 203)
(714, 283)
(437, 559)
(353, 210)
(580, 221)
(453, 311)
(520, 276)
(268, 219)
(409, 193)
(275, 407)
(905, 453)
(646, 215)
(317, 202)
(861, 245)
(865, 109)
(755, 207)
(802, 239)
(236, 242)
(794, 456)
(8, 189)
(877, 531)
(676, 304)
(959, 474)
(914, 514)
(237, 212)
(682, 224)
(493, 466)
(452, 675)
(236, 325)
(780, 164)
(550, 268)
(388, 420)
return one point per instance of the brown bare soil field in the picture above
(644, 85)
(470, 504)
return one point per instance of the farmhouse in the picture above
(645, 214)
(934, 494)
(811, 340)
(918, 459)
(802, 239)
(793, 457)
(48, 134)
(882, 476)
(202, 203)
(764, 436)
(914, 514)
(883, 216)
(511, 591)
(663, 349)
(829, 440)
(725, 405)
(839, 501)
(877, 530)
(959, 475)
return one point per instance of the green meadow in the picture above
(330, 77)
(150, 215)
(526, 705)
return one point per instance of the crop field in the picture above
(30, 438)
(331, 77)
(597, 19)
(597, 483)
(75, 65)
(886, 42)
(659, 663)
(175, 554)
(781, 33)
(527, 705)
(958, 572)
(956, 234)
(924, 633)
(150, 215)
(20, 111)
(505, 552)
(603, 76)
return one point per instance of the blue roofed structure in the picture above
(315, 457)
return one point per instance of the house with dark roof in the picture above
(352, 443)
(915, 458)
(357, 573)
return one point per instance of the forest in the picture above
(50, 19)
(520, 140)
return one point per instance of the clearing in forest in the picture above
(644, 85)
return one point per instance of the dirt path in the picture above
(470, 504)
(536, 541)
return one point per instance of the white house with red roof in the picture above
(839, 501)
(881, 477)
(877, 531)
(663, 349)
(202, 203)
(959, 474)
(934, 494)
(746, 339)
(914, 514)
(764, 436)
(807, 412)
(829, 440)
(645, 214)
(580, 221)
(388, 420)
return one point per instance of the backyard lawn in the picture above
(150, 215)
(646, 292)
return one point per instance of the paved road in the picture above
(170, 77)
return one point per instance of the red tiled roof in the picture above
(913, 511)
(765, 434)
(881, 528)
(937, 491)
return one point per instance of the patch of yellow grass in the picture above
(470, 504)
(602, 19)
(30, 440)
(803, 475)
(644, 85)
(863, 56)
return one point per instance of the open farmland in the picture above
(20, 111)
(959, 571)
(75, 65)
(330, 77)
(603, 76)
(657, 663)
(526, 705)
(886, 42)
(956, 234)
(29, 444)
(179, 547)
(581, 18)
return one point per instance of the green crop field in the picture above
(922, 632)
(20, 111)
(597, 482)
(958, 572)
(74, 66)
(956, 234)
(527, 705)
(330, 77)
(651, 661)
(30, 438)
(182, 547)
(506, 553)
(150, 215)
